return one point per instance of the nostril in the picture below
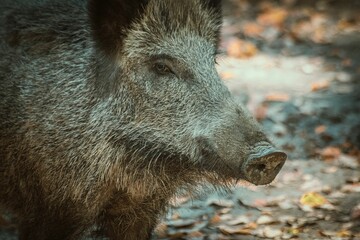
(261, 167)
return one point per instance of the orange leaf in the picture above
(252, 29)
(215, 219)
(319, 85)
(241, 49)
(343, 233)
(277, 97)
(330, 153)
(320, 129)
(226, 75)
(273, 17)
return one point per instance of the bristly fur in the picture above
(92, 133)
(112, 20)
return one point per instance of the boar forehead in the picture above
(174, 27)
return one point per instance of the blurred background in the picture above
(296, 65)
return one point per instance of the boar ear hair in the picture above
(213, 4)
(110, 19)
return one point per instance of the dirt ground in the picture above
(296, 65)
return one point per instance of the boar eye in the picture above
(162, 69)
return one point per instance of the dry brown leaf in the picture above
(330, 153)
(239, 220)
(261, 112)
(344, 233)
(319, 35)
(229, 230)
(221, 203)
(277, 97)
(321, 85)
(265, 219)
(181, 223)
(327, 233)
(347, 62)
(241, 49)
(273, 17)
(270, 232)
(320, 129)
(215, 219)
(251, 225)
(196, 234)
(226, 76)
(345, 24)
(252, 29)
(331, 169)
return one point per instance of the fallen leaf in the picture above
(273, 17)
(215, 219)
(226, 76)
(252, 29)
(277, 97)
(293, 231)
(270, 232)
(331, 169)
(347, 62)
(221, 203)
(261, 112)
(344, 233)
(344, 24)
(181, 223)
(327, 233)
(265, 219)
(241, 49)
(321, 85)
(313, 199)
(229, 230)
(239, 220)
(196, 234)
(330, 153)
(225, 210)
(320, 129)
(251, 225)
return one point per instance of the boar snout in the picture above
(263, 164)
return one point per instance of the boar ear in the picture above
(110, 19)
(214, 5)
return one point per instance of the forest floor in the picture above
(296, 65)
